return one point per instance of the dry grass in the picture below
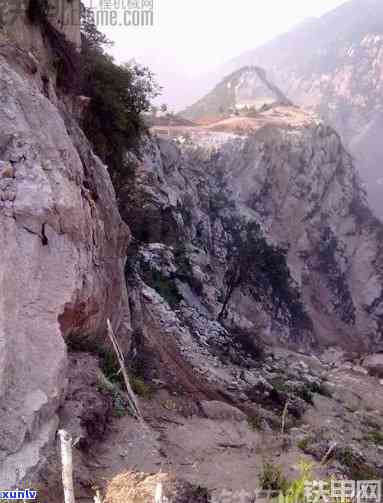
(142, 488)
(134, 487)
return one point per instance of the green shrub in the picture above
(280, 386)
(141, 388)
(304, 443)
(376, 437)
(295, 491)
(108, 361)
(120, 404)
(119, 94)
(305, 393)
(272, 479)
(255, 422)
(164, 286)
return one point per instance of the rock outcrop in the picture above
(61, 260)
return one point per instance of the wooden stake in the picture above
(284, 415)
(67, 466)
(158, 493)
(131, 396)
(328, 453)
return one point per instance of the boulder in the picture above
(374, 364)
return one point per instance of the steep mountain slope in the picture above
(333, 65)
(246, 87)
(247, 241)
(198, 205)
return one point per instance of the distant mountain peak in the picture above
(245, 88)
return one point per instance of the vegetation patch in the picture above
(255, 422)
(375, 437)
(355, 464)
(120, 404)
(141, 388)
(262, 268)
(272, 478)
(296, 490)
(163, 285)
(119, 94)
(304, 443)
(326, 263)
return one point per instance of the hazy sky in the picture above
(192, 37)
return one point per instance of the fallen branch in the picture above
(131, 396)
(231, 446)
(170, 421)
(328, 453)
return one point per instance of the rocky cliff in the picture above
(63, 249)
(313, 268)
(249, 239)
(333, 65)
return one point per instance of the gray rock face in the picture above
(367, 149)
(186, 202)
(61, 264)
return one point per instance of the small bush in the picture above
(304, 443)
(141, 388)
(321, 389)
(255, 422)
(375, 437)
(280, 386)
(296, 490)
(108, 361)
(305, 393)
(164, 286)
(120, 404)
(120, 94)
(272, 479)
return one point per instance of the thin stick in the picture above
(67, 466)
(158, 493)
(328, 453)
(285, 410)
(97, 498)
(131, 396)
